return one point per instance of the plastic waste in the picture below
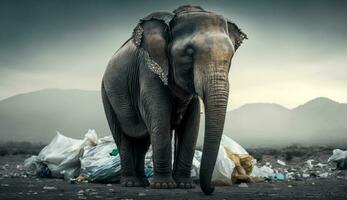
(101, 163)
(149, 172)
(281, 162)
(61, 155)
(338, 155)
(232, 145)
(340, 158)
(196, 164)
(44, 172)
(324, 175)
(279, 176)
(264, 171)
(309, 163)
(224, 168)
(243, 185)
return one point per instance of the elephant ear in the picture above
(151, 36)
(235, 34)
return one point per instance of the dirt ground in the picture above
(14, 184)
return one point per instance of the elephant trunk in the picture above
(215, 98)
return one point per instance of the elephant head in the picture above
(199, 47)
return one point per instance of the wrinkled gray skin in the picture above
(194, 47)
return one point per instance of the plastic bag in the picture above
(62, 154)
(340, 158)
(338, 155)
(264, 172)
(223, 168)
(194, 173)
(233, 146)
(102, 162)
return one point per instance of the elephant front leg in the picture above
(156, 112)
(162, 161)
(186, 136)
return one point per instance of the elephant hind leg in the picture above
(128, 155)
(141, 147)
(127, 150)
(111, 116)
(132, 162)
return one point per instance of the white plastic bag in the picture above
(98, 165)
(196, 164)
(264, 172)
(224, 167)
(338, 155)
(233, 146)
(62, 154)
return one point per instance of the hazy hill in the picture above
(37, 115)
(319, 121)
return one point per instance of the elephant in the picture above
(152, 89)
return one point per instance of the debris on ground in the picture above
(98, 160)
(49, 188)
(243, 185)
(340, 158)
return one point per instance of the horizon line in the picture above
(250, 103)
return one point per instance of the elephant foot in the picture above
(163, 183)
(184, 183)
(134, 182)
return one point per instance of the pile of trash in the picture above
(94, 159)
(306, 169)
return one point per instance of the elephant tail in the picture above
(111, 116)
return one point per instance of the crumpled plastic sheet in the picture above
(98, 165)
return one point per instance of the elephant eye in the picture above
(189, 51)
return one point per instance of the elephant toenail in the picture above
(130, 184)
(157, 185)
(181, 185)
(164, 185)
(171, 185)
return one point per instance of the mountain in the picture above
(36, 116)
(320, 121)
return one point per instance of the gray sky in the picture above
(296, 51)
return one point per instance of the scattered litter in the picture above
(142, 194)
(340, 158)
(264, 171)
(243, 185)
(281, 162)
(4, 185)
(309, 163)
(324, 175)
(321, 165)
(98, 160)
(305, 175)
(279, 176)
(49, 188)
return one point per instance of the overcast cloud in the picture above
(296, 51)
